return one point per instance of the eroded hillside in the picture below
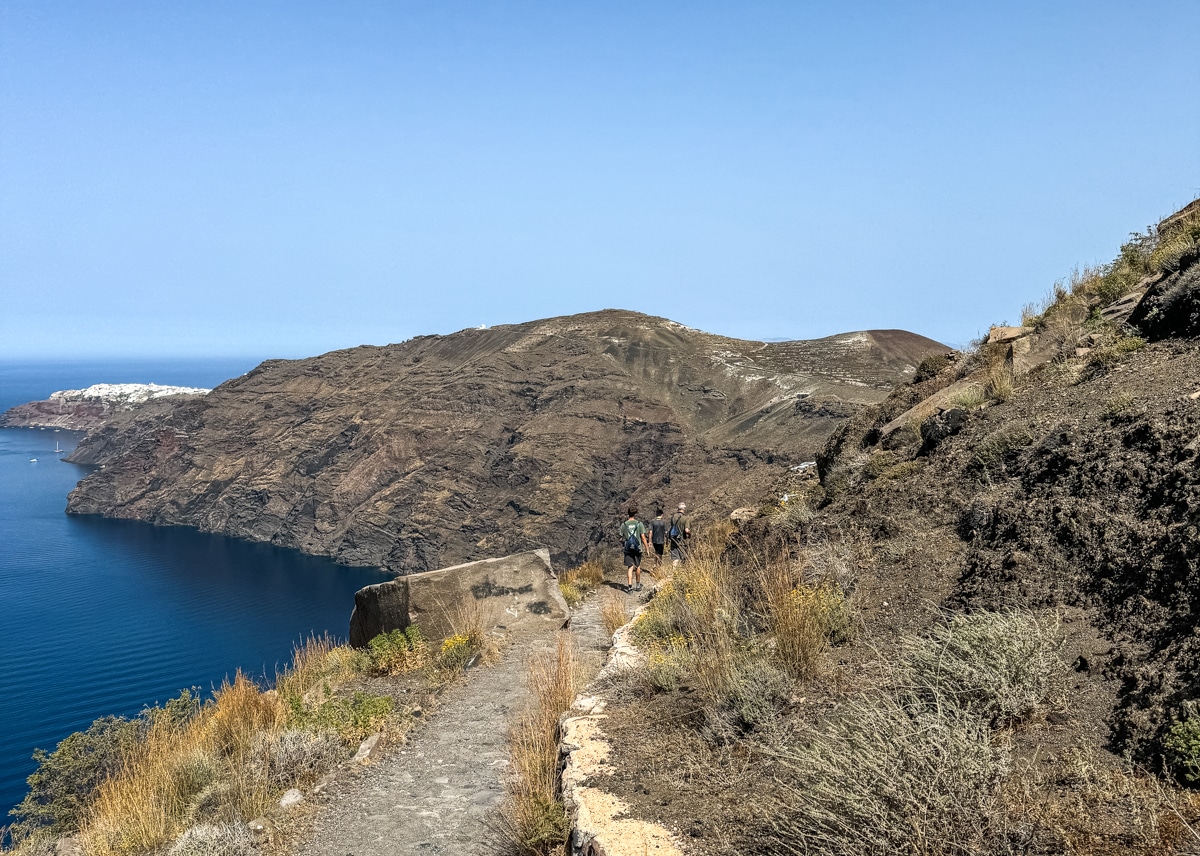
(486, 442)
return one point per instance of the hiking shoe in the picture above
(638, 587)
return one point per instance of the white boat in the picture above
(33, 460)
(59, 450)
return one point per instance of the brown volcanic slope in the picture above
(444, 449)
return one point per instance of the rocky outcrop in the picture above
(446, 449)
(516, 593)
(87, 409)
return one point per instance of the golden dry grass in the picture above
(166, 778)
(576, 583)
(533, 820)
(613, 613)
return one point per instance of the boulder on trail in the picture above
(513, 593)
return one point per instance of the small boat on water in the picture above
(33, 460)
(58, 449)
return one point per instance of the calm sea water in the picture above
(105, 617)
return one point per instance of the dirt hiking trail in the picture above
(434, 794)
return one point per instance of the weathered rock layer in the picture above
(445, 449)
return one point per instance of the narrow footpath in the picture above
(434, 794)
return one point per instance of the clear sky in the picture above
(282, 179)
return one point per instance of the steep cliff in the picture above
(486, 442)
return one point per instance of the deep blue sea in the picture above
(105, 617)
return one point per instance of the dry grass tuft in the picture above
(803, 620)
(576, 583)
(1001, 666)
(887, 775)
(1079, 804)
(533, 821)
(179, 772)
(998, 382)
(613, 613)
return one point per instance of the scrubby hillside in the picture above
(444, 449)
(975, 633)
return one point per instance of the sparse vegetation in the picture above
(188, 771)
(613, 613)
(991, 454)
(1000, 666)
(888, 774)
(533, 821)
(576, 583)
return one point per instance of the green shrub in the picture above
(887, 774)
(1001, 666)
(66, 778)
(351, 719)
(1181, 751)
(1108, 355)
(398, 651)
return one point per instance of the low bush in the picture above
(215, 839)
(667, 662)
(1086, 804)
(1109, 355)
(294, 757)
(1181, 751)
(803, 620)
(351, 718)
(65, 778)
(740, 689)
(930, 367)
(1001, 666)
(994, 452)
(399, 651)
(887, 774)
(789, 516)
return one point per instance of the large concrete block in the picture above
(514, 594)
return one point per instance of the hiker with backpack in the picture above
(678, 530)
(658, 535)
(635, 543)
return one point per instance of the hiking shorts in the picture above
(676, 551)
(633, 559)
(658, 549)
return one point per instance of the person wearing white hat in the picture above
(678, 530)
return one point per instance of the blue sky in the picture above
(282, 179)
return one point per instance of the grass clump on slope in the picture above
(533, 820)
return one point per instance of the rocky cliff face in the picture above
(445, 449)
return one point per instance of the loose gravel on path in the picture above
(434, 795)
